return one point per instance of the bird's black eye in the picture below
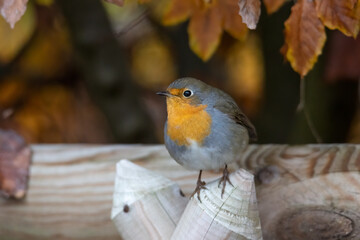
(187, 93)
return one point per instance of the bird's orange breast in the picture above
(187, 123)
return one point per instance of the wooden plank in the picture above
(307, 192)
(290, 164)
(71, 187)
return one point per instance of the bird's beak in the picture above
(164, 93)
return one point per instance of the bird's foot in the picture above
(224, 179)
(199, 186)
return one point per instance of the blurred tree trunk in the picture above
(105, 69)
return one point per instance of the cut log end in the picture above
(233, 216)
(317, 223)
(145, 204)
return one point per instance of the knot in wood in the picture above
(268, 174)
(126, 208)
(316, 223)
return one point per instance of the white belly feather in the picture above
(205, 158)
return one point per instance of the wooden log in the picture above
(324, 207)
(145, 205)
(71, 189)
(307, 192)
(288, 164)
(71, 186)
(233, 216)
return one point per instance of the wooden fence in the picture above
(303, 192)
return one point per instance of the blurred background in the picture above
(87, 71)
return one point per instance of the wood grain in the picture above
(145, 204)
(71, 188)
(307, 192)
(290, 164)
(233, 216)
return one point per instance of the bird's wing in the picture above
(228, 106)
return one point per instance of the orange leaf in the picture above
(205, 31)
(304, 36)
(177, 11)
(15, 158)
(273, 5)
(343, 15)
(13, 40)
(232, 20)
(12, 10)
(283, 51)
(250, 12)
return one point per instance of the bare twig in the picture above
(302, 108)
(133, 23)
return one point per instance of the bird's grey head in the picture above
(189, 89)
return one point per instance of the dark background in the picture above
(86, 71)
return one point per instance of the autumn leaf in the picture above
(250, 12)
(343, 15)
(205, 32)
(208, 19)
(177, 11)
(273, 5)
(15, 157)
(13, 40)
(232, 22)
(49, 54)
(304, 37)
(343, 58)
(56, 114)
(12, 10)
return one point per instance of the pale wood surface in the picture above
(307, 192)
(233, 216)
(71, 188)
(146, 205)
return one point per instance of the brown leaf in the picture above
(343, 58)
(116, 2)
(273, 5)
(250, 12)
(343, 15)
(12, 10)
(283, 51)
(208, 19)
(205, 31)
(13, 40)
(304, 36)
(15, 158)
(232, 20)
(56, 114)
(177, 11)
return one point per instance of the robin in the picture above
(205, 129)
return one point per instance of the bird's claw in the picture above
(225, 178)
(199, 186)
